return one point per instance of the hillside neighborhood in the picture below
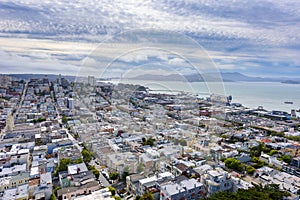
(87, 139)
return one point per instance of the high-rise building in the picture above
(59, 79)
(91, 80)
(70, 103)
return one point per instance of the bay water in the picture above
(270, 95)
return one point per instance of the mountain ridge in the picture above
(207, 77)
(215, 77)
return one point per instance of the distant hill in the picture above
(291, 82)
(212, 77)
(208, 77)
(51, 77)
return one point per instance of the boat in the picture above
(288, 102)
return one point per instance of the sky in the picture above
(82, 37)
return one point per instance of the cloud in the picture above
(234, 33)
(176, 61)
(260, 21)
(12, 63)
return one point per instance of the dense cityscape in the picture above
(87, 139)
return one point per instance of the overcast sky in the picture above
(252, 37)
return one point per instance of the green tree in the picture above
(250, 169)
(256, 151)
(52, 197)
(114, 175)
(112, 190)
(94, 170)
(266, 150)
(149, 141)
(125, 173)
(233, 164)
(87, 156)
(268, 192)
(64, 120)
(63, 164)
(78, 161)
(273, 152)
(147, 196)
(96, 173)
(183, 142)
(286, 158)
(117, 198)
(138, 197)
(140, 167)
(41, 119)
(55, 190)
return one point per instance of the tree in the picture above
(125, 172)
(234, 164)
(138, 197)
(94, 170)
(268, 192)
(63, 164)
(272, 152)
(256, 151)
(286, 158)
(266, 150)
(64, 120)
(78, 161)
(147, 196)
(55, 190)
(96, 173)
(149, 141)
(41, 119)
(183, 142)
(114, 175)
(52, 197)
(112, 190)
(87, 156)
(117, 198)
(250, 169)
(140, 167)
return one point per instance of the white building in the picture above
(187, 189)
(151, 181)
(217, 180)
(120, 161)
(103, 194)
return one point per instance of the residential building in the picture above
(217, 180)
(296, 162)
(71, 192)
(121, 161)
(187, 189)
(103, 194)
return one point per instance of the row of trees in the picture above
(256, 152)
(236, 165)
(267, 192)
